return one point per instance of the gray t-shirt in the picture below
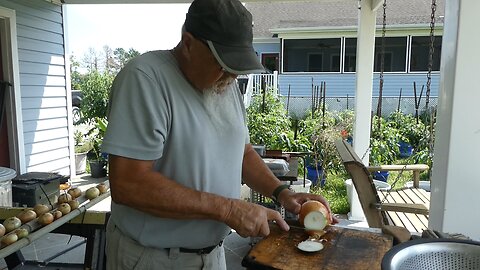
(155, 114)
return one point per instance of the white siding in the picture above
(43, 84)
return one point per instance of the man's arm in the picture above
(256, 174)
(136, 184)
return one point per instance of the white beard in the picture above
(220, 107)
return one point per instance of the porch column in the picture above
(364, 79)
(455, 181)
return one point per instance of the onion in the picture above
(65, 197)
(41, 209)
(2, 230)
(57, 214)
(64, 208)
(75, 192)
(21, 233)
(45, 218)
(74, 204)
(12, 223)
(310, 246)
(314, 216)
(9, 239)
(27, 215)
(92, 193)
(102, 188)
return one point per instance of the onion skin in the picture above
(2, 230)
(310, 206)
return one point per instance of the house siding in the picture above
(341, 85)
(43, 84)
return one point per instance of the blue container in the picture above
(406, 150)
(314, 174)
(381, 176)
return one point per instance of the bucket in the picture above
(422, 184)
(6, 176)
(298, 187)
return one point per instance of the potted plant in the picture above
(82, 147)
(96, 159)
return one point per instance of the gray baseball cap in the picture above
(226, 26)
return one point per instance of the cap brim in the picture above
(236, 60)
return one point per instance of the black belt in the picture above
(201, 251)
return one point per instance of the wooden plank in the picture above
(413, 222)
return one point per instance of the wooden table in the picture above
(344, 249)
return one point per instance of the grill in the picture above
(435, 254)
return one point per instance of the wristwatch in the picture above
(278, 190)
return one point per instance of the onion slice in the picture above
(310, 246)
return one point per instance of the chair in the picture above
(399, 212)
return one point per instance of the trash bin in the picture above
(356, 211)
(6, 176)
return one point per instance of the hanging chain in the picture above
(429, 80)
(382, 62)
(431, 52)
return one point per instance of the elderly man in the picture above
(179, 149)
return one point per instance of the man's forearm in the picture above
(151, 192)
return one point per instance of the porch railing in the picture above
(257, 82)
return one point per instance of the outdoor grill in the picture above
(435, 254)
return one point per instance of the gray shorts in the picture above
(124, 253)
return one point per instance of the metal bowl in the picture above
(435, 254)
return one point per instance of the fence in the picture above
(298, 107)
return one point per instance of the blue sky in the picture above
(143, 27)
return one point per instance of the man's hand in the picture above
(292, 201)
(249, 219)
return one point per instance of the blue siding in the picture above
(43, 84)
(341, 85)
(267, 47)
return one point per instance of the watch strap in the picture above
(277, 191)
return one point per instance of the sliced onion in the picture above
(310, 246)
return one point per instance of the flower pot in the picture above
(80, 163)
(315, 173)
(98, 168)
(406, 150)
(381, 175)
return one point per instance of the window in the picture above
(350, 62)
(421, 53)
(311, 55)
(395, 54)
(315, 61)
(270, 61)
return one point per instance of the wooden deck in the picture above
(415, 223)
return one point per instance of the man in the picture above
(179, 148)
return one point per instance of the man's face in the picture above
(213, 76)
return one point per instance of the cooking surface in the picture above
(344, 249)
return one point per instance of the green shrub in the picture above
(95, 87)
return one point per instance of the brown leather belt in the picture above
(201, 251)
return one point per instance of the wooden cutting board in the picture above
(344, 249)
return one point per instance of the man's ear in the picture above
(187, 44)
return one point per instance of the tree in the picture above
(75, 75)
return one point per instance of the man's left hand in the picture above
(292, 202)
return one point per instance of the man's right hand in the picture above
(249, 219)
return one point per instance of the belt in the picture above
(200, 251)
